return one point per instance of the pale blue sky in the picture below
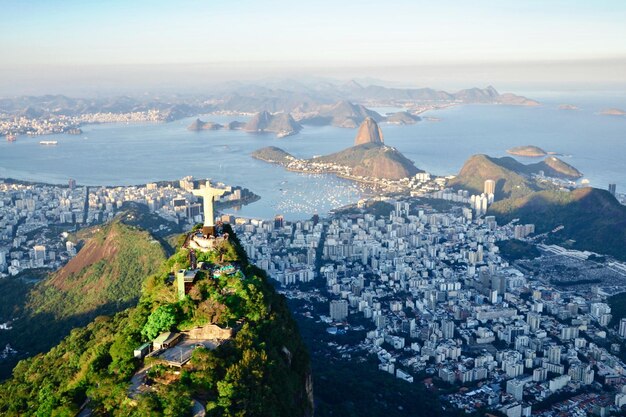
(237, 35)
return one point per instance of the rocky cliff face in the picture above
(369, 132)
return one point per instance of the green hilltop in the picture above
(513, 179)
(263, 370)
(509, 183)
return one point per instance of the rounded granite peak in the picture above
(369, 132)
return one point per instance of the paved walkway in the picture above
(136, 382)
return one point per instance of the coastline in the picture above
(371, 182)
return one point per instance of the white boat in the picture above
(48, 142)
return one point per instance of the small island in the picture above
(527, 151)
(402, 118)
(199, 125)
(568, 107)
(282, 124)
(613, 112)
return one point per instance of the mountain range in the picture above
(340, 114)
(287, 96)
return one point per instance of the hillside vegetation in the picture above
(273, 155)
(373, 160)
(263, 371)
(513, 179)
(593, 219)
(554, 167)
(105, 277)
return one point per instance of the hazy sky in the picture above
(57, 43)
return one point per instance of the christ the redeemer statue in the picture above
(208, 195)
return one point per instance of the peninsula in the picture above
(369, 160)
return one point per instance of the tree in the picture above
(213, 311)
(162, 319)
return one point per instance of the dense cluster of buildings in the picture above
(478, 203)
(288, 252)
(27, 214)
(34, 126)
(444, 306)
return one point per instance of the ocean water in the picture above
(123, 154)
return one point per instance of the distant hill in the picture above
(373, 160)
(504, 171)
(402, 118)
(555, 167)
(528, 150)
(341, 114)
(489, 95)
(273, 155)
(282, 124)
(287, 96)
(198, 125)
(235, 125)
(105, 277)
(478, 95)
(591, 217)
(515, 100)
(513, 179)
(613, 112)
(370, 157)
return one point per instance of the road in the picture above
(198, 409)
(137, 381)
